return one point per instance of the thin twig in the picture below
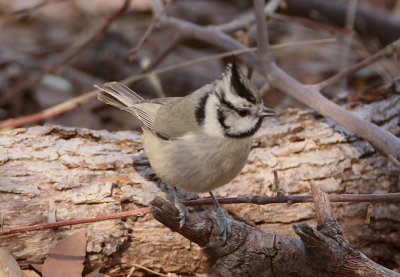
(369, 213)
(255, 199)
(323, 210)
(44, 226)
(278, 188)
(386, 51)
(149, 270)
(308, 23)
(164, 53)
(32, 8)
(69, 55)
(89, 96)
(248, 19)
(262, 33)
(50, 112)
(144, 38)
(347, 40)
(383, 140)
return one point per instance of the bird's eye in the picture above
(243, 112)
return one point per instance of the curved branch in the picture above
(381, 139)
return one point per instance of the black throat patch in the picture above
(200, 112)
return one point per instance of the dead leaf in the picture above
(67, 257)
(8, 265)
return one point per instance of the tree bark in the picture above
(51, 172)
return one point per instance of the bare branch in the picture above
(323, 212)
(32, 8)
(269, 10)
(143, 39)
(262, 33)
(347, 39)
(89, 96)
(308, 23)
(69, 55)
(255, 199)
(50, 112)
(45, 226)
(390, 49)
(381, 139)
(248, 251)
(164, 53)
(248, 19)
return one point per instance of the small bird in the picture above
(201, 141)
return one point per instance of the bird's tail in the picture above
(118, 95)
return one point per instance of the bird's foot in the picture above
(182, 211)
(223, 224)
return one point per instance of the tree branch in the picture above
(381, 139)
(250, 252)
(254, 199)
(390, 49)
(89, 96)
(32, 8)
(262, 33)
(143, 39)
(328, 249)
(69, 55)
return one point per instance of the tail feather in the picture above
(110, 100)
(118, 95)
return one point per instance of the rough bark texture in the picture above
(250, 252)
(52, 172)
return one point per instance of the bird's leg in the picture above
(181, 208)
(223, 223)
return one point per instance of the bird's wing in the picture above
(178, 117)
(122, 97)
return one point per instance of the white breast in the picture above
(196, 162)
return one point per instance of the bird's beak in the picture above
(266, 112)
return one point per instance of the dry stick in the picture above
(31, 9)
(255, 199)
(89, 96)
(50, 112)
(328, 240)
(386, 51)
(143, 39)
(308, 23)
(347, 40)
(164, 53)
(45, 226)
(278, 185)
(262, 36)
(378, 137)
(72, 53)
(248, 19)
(323, 210)
(381, 139)
(149, 270)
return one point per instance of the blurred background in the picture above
(37, 38)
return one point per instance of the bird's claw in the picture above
(182, 212)
(223, 224)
